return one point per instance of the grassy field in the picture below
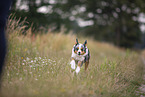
(38, 66)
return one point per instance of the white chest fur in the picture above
(77, 57)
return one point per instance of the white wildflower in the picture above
(21, 78)
(30, 72)
(27, 59)
(35, 58)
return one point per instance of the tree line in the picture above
(114, 21)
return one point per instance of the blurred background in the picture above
(41, 34)
(120, 22)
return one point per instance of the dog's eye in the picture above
(77, 48)
(81, 49)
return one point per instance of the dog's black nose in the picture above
(79, 53)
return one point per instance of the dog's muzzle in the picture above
(79, 53)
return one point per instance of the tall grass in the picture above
(38, 66)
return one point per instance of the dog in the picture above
(80, 55)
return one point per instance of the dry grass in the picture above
(38, 66)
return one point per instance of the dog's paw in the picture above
(77, 70)
(73, 65)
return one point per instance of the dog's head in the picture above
(79, 48)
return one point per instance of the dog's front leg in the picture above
(86, 65)
(78, 67)
(73, 65)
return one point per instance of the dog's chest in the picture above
(78, 58)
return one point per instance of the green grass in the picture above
(39, 67)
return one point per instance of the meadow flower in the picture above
(36, 79)
(31, 61)
(23, 63)
(40, 58)
(35, 58)
(35, 61)
(27, 59)
(91, 77)
(30, 72)
(20, 78)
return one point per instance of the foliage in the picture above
(118, 19)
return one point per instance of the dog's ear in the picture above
(76, 42)
(85, 43)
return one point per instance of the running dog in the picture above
(80, 55)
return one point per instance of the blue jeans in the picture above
(4, 10)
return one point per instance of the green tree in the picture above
(114, 21)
